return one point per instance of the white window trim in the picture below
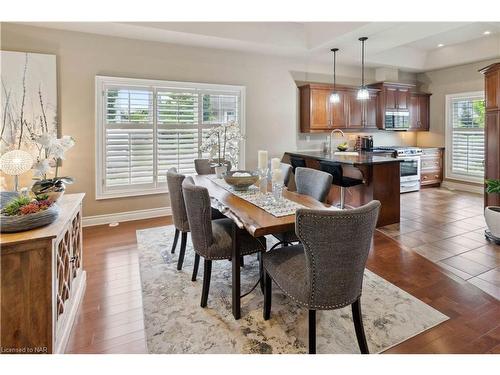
(449, 138)
(101, 81)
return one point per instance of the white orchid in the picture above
(66, 142)
(41, 167)
(223, 142)
(46, 139)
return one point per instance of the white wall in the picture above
(458, 79)
(271, 93)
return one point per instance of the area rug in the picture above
(175, 322)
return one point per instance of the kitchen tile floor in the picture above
(447, 227)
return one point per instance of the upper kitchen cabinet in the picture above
(317, 114)
(419, 111)
(394, 96)
(401, 107)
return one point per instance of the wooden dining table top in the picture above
(255, 220)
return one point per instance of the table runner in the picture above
(278, 209)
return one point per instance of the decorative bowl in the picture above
(240, 182)
(20, 223)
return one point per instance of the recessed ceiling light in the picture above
(440, 45)
(487, 32)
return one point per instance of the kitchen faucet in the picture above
(331, 136)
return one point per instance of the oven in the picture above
(410, 173)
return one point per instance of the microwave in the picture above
(399, 120)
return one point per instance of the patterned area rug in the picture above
(175, 322)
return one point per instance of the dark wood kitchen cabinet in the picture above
(317, 114)
(397, 98)
(492, 128)
(320, 116)
(419, 111)
(392, 97)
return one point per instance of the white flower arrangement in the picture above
(223, 143)
(51, 151)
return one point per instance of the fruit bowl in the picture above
(240, 180)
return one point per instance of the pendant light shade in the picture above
(363, 93)
(334, 96)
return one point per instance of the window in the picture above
(465, 136)
(145, 127)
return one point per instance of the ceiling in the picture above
(408, 46)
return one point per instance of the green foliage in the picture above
(479, 111)
(471, 116)
(493, 186)
(12, 208)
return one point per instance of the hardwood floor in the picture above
(110, 319)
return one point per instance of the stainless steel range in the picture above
(410, 165)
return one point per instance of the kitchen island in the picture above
(380, 175)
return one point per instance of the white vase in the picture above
(220, 169)
(492, 217)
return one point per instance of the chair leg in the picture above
(261, 272)
(195, 267)
(312, 331)
(358, 326)
(342, 197)
(207, 272)
(267, 295)
(183, 250)
(176, 237)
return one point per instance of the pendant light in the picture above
(363, 93)
(334, 97)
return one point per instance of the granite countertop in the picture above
(362, 159)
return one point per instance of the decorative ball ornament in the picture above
(16, 162)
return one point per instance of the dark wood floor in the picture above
(110, 319)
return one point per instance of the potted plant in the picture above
(223, 144)
(492, 213)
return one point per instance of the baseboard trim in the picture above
(89, 221)
(478, 189)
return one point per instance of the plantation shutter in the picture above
(177, 132)
(467, 122)
(129, 151)
(146, 127)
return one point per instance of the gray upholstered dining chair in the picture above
(179, 214)
(310, 182)
(325, 271)
(203, 166)
(212, 239)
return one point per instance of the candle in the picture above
(275, 163)
(262, 159)
(277, 176)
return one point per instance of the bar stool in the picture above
(335, 169)
(296, 162)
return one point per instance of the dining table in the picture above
(253, 219)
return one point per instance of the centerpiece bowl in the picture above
(21, 223)
(240, 180)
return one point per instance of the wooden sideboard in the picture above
(42, 282)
